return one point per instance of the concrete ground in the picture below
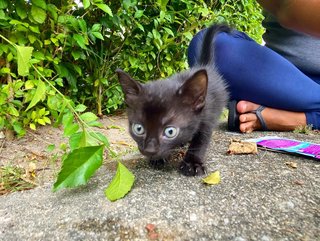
(259, 198)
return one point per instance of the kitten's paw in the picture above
(192, 169)
(157, 164)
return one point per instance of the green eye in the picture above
(171, 132)
(137, 129)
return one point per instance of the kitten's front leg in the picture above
(193, 164)
(157, 163)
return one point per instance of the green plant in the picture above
(244, 15)
(13, 178)
(303, 129)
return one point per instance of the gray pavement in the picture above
(259, 198)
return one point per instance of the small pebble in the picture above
(193, 217)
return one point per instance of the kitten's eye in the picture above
(138, 129)
(171, 132)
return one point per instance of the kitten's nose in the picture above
(151, 147)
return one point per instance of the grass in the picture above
(13, 178)
(304, 129)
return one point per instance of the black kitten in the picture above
(185, 107)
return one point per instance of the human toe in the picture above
(246, 106)
(247, 117)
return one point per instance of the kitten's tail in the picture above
(207, 46)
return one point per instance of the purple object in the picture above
(289, 145)
(313, 150)
(277, 143)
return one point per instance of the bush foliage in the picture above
(77, 45)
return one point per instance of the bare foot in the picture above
(276, 120)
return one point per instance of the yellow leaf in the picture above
(32, 126)
(212, 179)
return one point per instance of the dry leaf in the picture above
(242, 147)
(292, 164)
(150, 227)
(213, 178)
(152, 232)
(123, 143)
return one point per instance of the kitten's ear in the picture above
(194, 90)
(130, 87)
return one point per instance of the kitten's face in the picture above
(158, 128)
(160, 117)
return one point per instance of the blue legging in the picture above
(258, 74)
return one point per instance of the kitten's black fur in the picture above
(185, 107)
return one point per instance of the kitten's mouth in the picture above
(154, 156)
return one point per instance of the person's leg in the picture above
(259, 75)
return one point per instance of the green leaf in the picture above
(41, 122)
(76, 54)
(100, 137)
(126, 4)
(70, 129)
(169, 31)
(188, 35)
(21, 9)
(98, 35)
(156, 34)
(138, 14)
(42, 111)
(39, 94)
(3, 4)
(39, 3)
(84, 138)
(34, 29)
(96, 27)
(10, 57)
(88, 117)
(121, 183)
(3, 16)
(62, 111)
(51, 147)
(105, 8)
(80, 108)
(32, 38)
(163, 3)
(13, 111)
(79, 166)
(140, 26)
(5, 70)
(80, 40)
(38, 14)
(82, 25)
(52, 9)
(24, 56)
(46, 120)
(18, 128)
(78, 140)
(86, 4)
(95, 124)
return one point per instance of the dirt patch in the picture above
(31, 154)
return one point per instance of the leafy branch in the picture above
(86, 146)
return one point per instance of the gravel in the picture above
(259, 198)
